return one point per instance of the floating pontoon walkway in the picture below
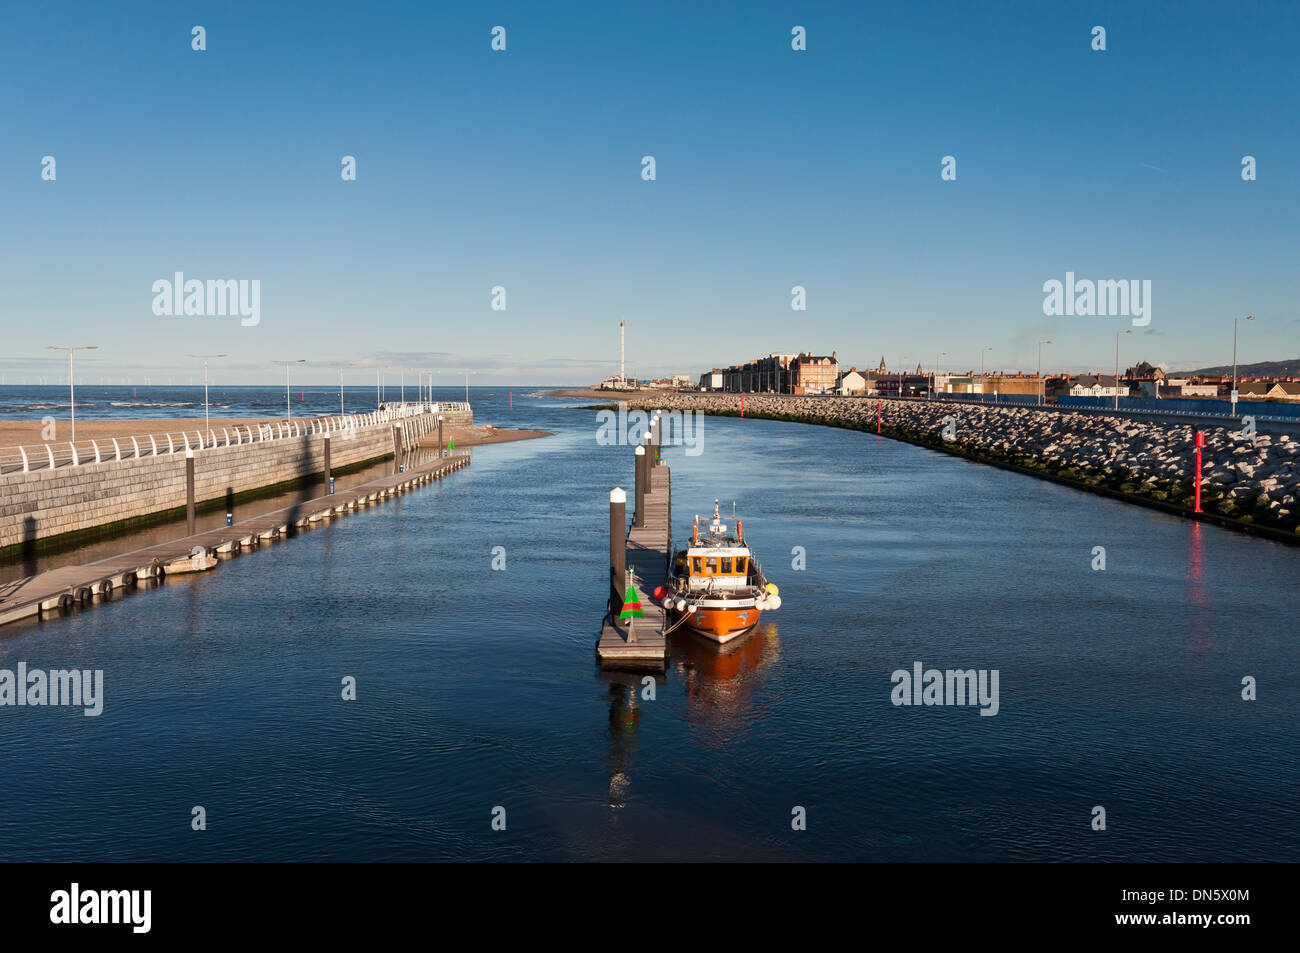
(647, 555)
(60, 590)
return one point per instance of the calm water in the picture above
(479, 688)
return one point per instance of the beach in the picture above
(28, 433)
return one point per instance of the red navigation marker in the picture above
(1200, 442)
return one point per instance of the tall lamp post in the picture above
(72, 389)
(340, 365)
(982, 380)
(72, 385)
(934, 378)
(1041, 386)
(1117, 336)
(1249, 317)
(288, 406)
(205, 382)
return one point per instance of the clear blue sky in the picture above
(522, 169)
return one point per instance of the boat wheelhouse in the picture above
(717, 588)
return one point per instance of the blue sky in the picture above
(775, 168)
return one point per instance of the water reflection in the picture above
(1200, 610)
(721, 683)
(625, 698)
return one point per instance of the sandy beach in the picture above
(27, 433)
(607, 396)
(14, 433)
(478, 436)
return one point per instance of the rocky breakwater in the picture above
(1254, 480)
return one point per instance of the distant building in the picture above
(812, 374)
(1097, 385)
(851, 383)
(617, 383)
(711, 380)
(1284, 390)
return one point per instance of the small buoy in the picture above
(660, 592)
(667, 603)
(680, 605)
(774, 603)
(771, 589)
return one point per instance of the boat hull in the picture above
(720, 624)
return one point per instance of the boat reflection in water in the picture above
(721, 682)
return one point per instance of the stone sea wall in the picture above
(47, 503)
(1252, 479)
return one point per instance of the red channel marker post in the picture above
(1200, 442)
(877, 417)
(742, 406)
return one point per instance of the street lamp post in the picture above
(288, 406)
(1041, 387)
(1117, 335)
(340, 365)
(934, 378)
(72, 388)
(205, 382)
(1249, 317)
(983, 382)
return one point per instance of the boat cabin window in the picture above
(711, 565)
(740, 565)
(726, 565)
(695, 565)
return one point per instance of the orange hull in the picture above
(721, 625)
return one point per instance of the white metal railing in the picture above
(49, 456)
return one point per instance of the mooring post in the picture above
(1200, 442)
(617, 548)
(638, 515)
(656, 439)
(189, 491)
(329, 479)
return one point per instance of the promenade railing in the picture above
(56, 454)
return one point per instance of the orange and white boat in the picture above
(717, 587)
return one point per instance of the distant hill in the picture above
(1289, 368)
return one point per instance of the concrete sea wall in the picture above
(43, 504)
